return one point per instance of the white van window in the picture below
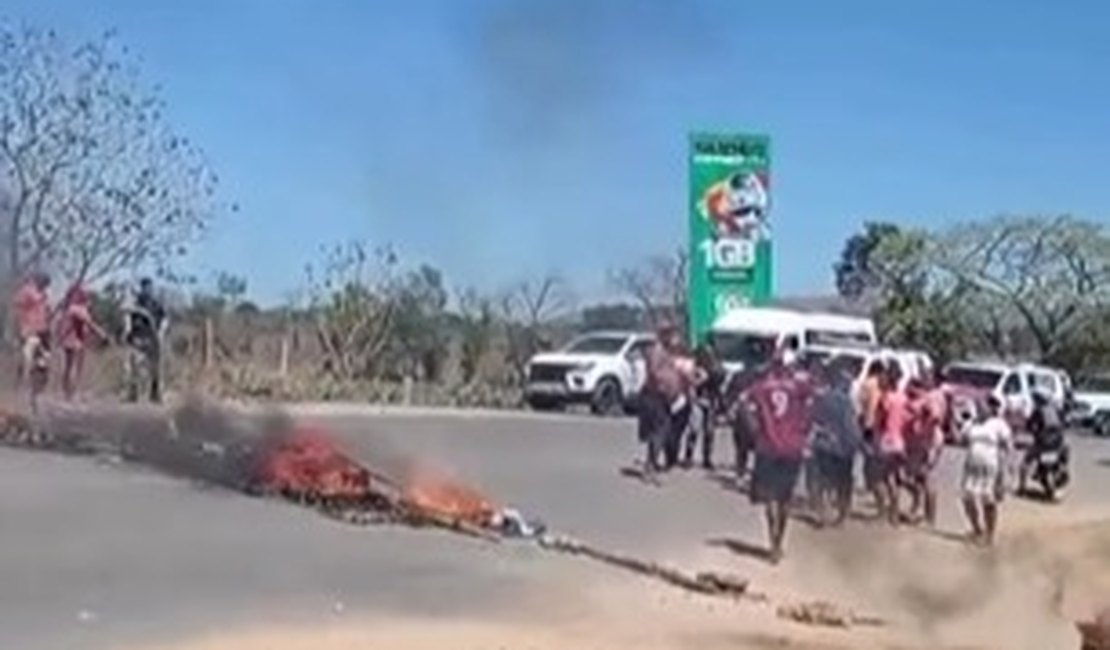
(748, 349)
(821, 337)
(1012, 385)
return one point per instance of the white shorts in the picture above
(982, 481)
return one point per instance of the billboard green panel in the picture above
(730, 237)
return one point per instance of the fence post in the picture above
(406, 396)
(208, 342)
(283, 363)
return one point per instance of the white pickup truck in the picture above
(967, 383)
(604, 370)
(1092, 404)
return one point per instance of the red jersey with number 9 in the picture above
(781, 402)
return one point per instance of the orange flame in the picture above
(432, 492)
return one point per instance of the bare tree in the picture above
(527, 309)
(658, 285)
(97, 180)
(352, 297)
(1045, 277)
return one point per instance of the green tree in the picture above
(891, 269)
(855, 271)
(419, 342)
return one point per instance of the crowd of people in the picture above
(70, 324)
(791, 417)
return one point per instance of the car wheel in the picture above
(1102, 425)
(607, 398)
(544, 404)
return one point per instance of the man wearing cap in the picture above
(663, 399)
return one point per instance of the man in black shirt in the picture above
(145, 323)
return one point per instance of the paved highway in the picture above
(99, 555)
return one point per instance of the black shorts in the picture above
(886, 466)
(774, 478)
(655, 418)
(835, 471)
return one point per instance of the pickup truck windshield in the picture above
(597, 345)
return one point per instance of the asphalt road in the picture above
(97, 555)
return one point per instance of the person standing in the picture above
(707, 398)
(682, 409)
(779, 402)
(837, 438)
(145, 326)
(661, 398)
(893, 419)
(989, 443)
(32, 313)
(868, 395)
(75, 329)
(925, 446)
(740, 420)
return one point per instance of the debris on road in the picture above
(825, 614)
(707, 583)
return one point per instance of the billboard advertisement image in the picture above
(730, 227)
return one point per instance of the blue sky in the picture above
(499, 139)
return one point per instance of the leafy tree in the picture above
(420, 338)
(892, 270)
(232, 288)
(855, 271)
(95, 179)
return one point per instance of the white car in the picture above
(968, 382)
(1092, 404)
(604, 370)
(912, 364)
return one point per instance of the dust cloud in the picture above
(1026, 594)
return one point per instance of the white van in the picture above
(749, 335)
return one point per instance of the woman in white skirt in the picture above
(989, 442)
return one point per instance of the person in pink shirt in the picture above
(75, 330)
(894, 421)
(31, 307)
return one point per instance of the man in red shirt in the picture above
(32, 315)
(780, 404)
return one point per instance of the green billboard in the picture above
(730, 237)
